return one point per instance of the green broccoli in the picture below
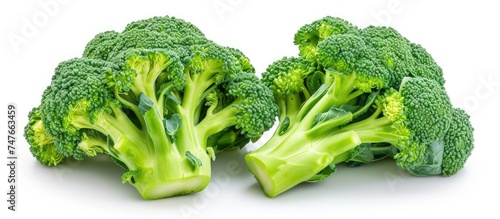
(449, 154)
(42, 144)
(308, 36)
(158, 98)
(356, 96)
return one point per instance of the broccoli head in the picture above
(159, 99)
(357, 95)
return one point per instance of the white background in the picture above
(462, 36)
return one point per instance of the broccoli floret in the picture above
(288, 76)
(448, 155)
(392, 50)
(308, 36)
(292, 80)
(159, 99)
(458, 143)
(410, 119)
(42, 144)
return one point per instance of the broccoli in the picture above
(356, 96)
(400, 56)
(42, 144)
(449, 154)
(308, 36)
(159, 99)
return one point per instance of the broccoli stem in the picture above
(131, 106)
(194, 92)
(292, 104)
(214, 123)
(373, 129)
(303, 151)
(149, 151)
(339, 93)
(162, 92)
(93, 145)
(110, 126)
(328, 126)
(161, 150)
(160, 180)
(342, 86)
(192, 177)
(297, 158)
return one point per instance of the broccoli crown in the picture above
(458, 142)
(391, 47)
(152, 33)
(350, 61)
(448, 155)
(172, 26)
(41, 144)
(190, 69)
(255, 103)
(379, 52)
(140, 38)
(308, 36)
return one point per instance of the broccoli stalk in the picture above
(297, 159)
